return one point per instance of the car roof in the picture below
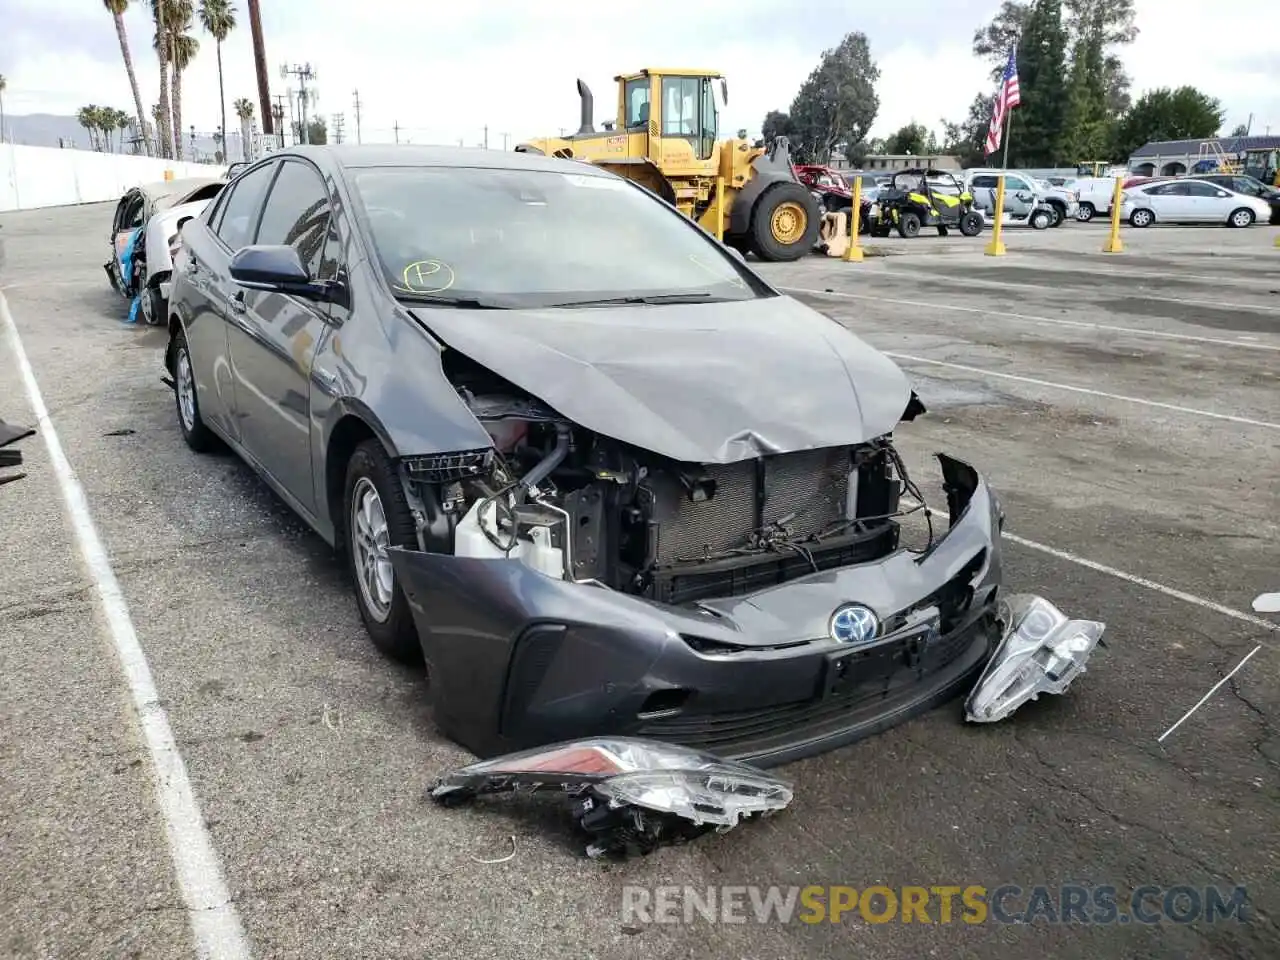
(161, 189)
(364, 156)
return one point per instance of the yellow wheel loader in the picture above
(665, 137)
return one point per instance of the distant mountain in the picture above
(45, 130)
(52, 130)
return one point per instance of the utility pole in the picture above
(303, 73)
(486, 136)
(277, 115)
(505, 138)
(397, 130)
(337, 127)
(356, 95)
(260, 65)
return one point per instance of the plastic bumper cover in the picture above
(518, 659)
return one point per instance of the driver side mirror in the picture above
(1223, 193)
(278, 269)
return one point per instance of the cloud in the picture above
(445, 72)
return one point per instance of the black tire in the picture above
(197, 436)
(1085, 213)
(1141, 218)
(1242, 217)
(392, 631)
(971, 223)
(764, 243)
(909, 224)
(1059, 215)
(1041, 220)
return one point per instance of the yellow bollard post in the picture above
(168, 174)
(720, 209)
(1114, 244)
(996, 247)
(853, 252)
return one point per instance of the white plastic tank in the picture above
(533, 546)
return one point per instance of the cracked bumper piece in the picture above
(518, 659)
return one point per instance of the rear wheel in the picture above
(971, 223)
(784, 223)
(909, 224)
(1085, 213)
(197, 436)
(1141, 218)
(1241, 218)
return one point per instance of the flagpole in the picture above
(1008, 128)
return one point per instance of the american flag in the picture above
(1007, 97)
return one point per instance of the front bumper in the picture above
(518, 659)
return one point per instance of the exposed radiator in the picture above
(811, 487)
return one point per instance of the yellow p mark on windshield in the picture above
(427, 276)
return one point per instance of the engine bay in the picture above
(581, 506)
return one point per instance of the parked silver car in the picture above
(1187, 200)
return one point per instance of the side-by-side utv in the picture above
(920, 197)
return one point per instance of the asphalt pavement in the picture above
(1126, 408)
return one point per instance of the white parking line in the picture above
(1085, 390)
(1201, 602)
(1212, 691)
(215, 924)
(1247, 343)
(1140, 294)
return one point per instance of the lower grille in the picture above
(806, 491)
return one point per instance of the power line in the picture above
(356, 95)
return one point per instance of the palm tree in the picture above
(184, 48)
(244, 110)
(218, 17)
(162, 12)
(117, 9)
(123, 122)
(88, 118)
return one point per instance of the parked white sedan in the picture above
(1187, 200)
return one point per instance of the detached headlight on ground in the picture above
(1042, 651)
(628, 793)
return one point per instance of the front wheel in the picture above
(1141, 218)
(1041, 219)
(376, 517)
(1241, 218)
(784, 223)
(1085, 213)
(971, 223)
(1059, 216)
(909, 224)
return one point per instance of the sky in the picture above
(444, 74)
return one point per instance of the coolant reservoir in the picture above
(535, 546)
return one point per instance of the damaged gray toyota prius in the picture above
(604, 478)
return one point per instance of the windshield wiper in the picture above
(656, 298)
(462, 303)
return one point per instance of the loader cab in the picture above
(675, 111)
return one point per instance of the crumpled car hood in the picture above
(699, 383)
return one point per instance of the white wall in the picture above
(48, 177)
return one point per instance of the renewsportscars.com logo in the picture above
(973, 904)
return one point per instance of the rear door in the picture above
(1170, 202)
(273, 336)
(230, 226)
